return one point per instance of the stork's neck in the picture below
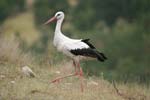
(58, 26)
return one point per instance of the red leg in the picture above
(74, 74)
(81, 76)
(75, 66)
(58, 79)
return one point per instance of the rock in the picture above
(27, 71)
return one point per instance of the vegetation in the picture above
(14, 85)
(119, 28)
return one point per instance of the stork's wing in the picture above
(83, 49)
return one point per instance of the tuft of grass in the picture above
(11, 52)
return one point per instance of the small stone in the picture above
(13, 82)
(57, 72)
(27, 71)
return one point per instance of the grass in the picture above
(15, 86)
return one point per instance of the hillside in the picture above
(15, 86)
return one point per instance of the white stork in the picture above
(76, 49)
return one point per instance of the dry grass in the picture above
(11, 53)
(15, 86)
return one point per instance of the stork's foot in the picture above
(60, 78)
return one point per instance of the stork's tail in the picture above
(100, 56)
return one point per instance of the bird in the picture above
(76, 49)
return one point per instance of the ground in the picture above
(15, 86)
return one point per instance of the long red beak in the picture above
(50, 20)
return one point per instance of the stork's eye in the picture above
(58, 15)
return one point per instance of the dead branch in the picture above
(122, 94)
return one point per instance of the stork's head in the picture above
(58, 16)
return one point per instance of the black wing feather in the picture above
(88, 43)
(89, 53)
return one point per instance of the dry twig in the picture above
(125, 96)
